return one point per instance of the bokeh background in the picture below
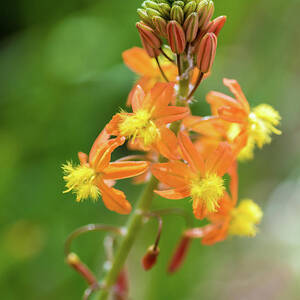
(62, 78)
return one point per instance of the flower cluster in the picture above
(188, 155)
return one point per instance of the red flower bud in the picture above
(206, 52)
(176, 37)
(216, 25)
(160, 25)
(179, 254)
(190, 27)
(148, 35)
(205, 11)
(74, 261)
(149, 259)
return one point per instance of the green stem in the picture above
(134, 225)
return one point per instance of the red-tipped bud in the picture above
(150, 258)
(74, 261)
(206, 52)
(160, 25)
(176, 37)
(121, 288)
(205, 11)
(177, 14)
(216, 25)
(190, 27)
(148, 35)
(179, 254)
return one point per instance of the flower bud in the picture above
(144, 16)
(205, 11)
(74, 261)
(148, 35)
(177, 14)
(206, 52)
(152, 12)
(190, 27)
(179, 254)
(164, 9)
(149, 259)
(189, 8)
(216, 25)
(160, 25)
(179, 3)
(176, 37)
(150, 4)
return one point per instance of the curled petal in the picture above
(217, 234)
(190, 153)
(113, 199)
(220, 160)
(172, 174)
(126, 169)
(175, 194)
(102, 138)
(235, 88)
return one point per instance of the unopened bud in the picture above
(152, 12)
(150, 258)
(179, 3)
(148, 35)
(179, 254)
(216, 25)
(190, 27)
(177, 14)
(205, 11)
(144, 16)
(189, 8)
(176, 37)
(150, 4)
(164, 9)
(160, 25)
(74, 261)
(206, 52)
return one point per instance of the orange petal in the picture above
(137, 99)
(218, 234)
(239, 142)
(103, 156)
(190, 153)
(161, 95)
(102, 138)
(113, 126)
(173, 174)
(199, 209)
(175, 194)
(167, 145)
(232, 114)
(234, 182)
(125, 169)
(220, 160)
(139, 62)
(170, 114)
(235, 88)
(113, 199)
(83, 158)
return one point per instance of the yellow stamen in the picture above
(209, 190)
(139, 125)
(244, 218)
(80, 180)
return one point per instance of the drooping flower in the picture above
(146, 125)
(93, 177)
(230, 219)
(199, 179)
(233, 116)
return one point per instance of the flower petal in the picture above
(137, 99)
(161, 95)
(190, 153)
(125, 169)
(175, 194)
(83, 158)
(170, 114)
(232, 114)
(102, 138)
(113, 199)
(173, 174)
(167, 145)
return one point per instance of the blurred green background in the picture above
(62, 78)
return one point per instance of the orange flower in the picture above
(146, 125)
(232, 117)
(199, 179)
(229, 219)
(93, 176)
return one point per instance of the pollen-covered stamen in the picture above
(139, 125)
(81, 180)
(263, 120)
(208, 190)
(244, 218)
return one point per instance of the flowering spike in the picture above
(177, 14)
(216, 25)
(150, 258)
(176, 37)
(190, 27)
(206, 52)
(180, 253)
